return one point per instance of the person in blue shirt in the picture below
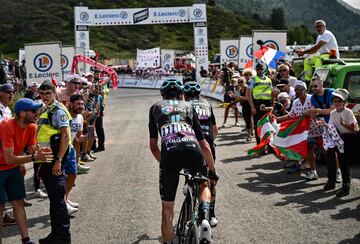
(321, 100)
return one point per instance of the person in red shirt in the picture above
(16, 135)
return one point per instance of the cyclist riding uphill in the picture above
(182, 146)
(209, 128)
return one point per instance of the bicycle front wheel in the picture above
(183, 221)
(192, 235)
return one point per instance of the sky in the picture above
(353, 3)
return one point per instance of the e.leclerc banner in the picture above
(229, 51)
(245, 50)
(67, 55)
(43, 62)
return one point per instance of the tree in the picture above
(277, 19)
(300, 34)
(211, 2)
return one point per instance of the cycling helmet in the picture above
(192, 88)
(172, 87)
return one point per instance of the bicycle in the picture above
(188, 225)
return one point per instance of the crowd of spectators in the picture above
(333, 129)
(72, 109)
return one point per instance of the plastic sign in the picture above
(229, 51)
(245, 50)
(43, 62)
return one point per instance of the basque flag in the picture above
(269, 55)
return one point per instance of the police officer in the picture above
(54, 131)
(259, 94)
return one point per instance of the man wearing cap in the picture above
(32, 92)
(3, 75)
(325, 42)
(259, 93)
(284, 86)
(54, 131)
(18, 134)
(6, 96)
(341, 120)
(90, 77)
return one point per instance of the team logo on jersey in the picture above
(64, 61)
(43, 62)
(249, 51)
(272, 44)
(167, 109)
(231, 51)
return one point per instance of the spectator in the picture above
(325, 42)
(341, 120)
(284, 86)
(32, 92)
(284, 73)
(3, 73)
(23, 72)
(246, 110)
(6, 96)
(203, 72)
(321, 101)
(16, 135)
(229, 100)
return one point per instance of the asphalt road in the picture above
(258, 202)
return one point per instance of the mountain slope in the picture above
(344, 23)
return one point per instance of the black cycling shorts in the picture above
(172, 165)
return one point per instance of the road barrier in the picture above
(209, 87)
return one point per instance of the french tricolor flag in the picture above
(269, 55)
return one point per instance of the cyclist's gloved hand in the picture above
(212, 175)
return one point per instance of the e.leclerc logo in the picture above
(182, 13)
(231, 51)
(123, 14)
(197, 13)
(249, 51)
(272, 44)
(64, 61)
(84, 16)
(43, 62)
